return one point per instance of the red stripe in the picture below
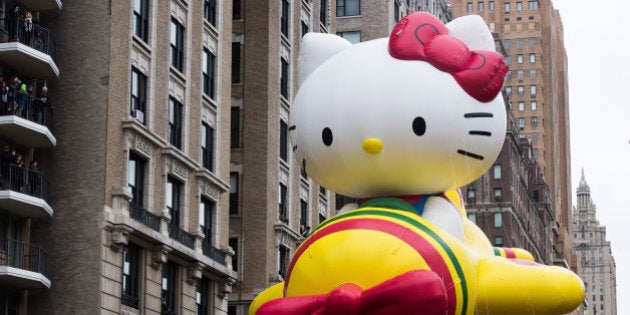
(509, 253)
(428, 252)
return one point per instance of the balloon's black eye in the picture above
(327, 136)
(419, 126)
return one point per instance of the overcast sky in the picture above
(597, 38)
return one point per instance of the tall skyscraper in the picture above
(594, 254)
(537, 87)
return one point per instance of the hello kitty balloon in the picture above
(400, 123)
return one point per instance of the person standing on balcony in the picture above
(17, 176)
(22, 99)
(16, 14)
(4, 98)
(28, 28)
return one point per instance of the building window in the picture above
(519, 58)
(496, 171)
(130, 275)
(234, 193)
(177, 45)
(498, 194)
(508, 76)
(284, 19)
(498, 241)
(169, 285)
(282, 204)
(532, 42)
(304, 28)
(235, 127)
(353, 37)
(471, 194)
(321, 218)
(141, 19)
(533, 5)
(532, 74)
(472, 217)
(480, 6)
(233, 242)
(206, 213)
(348, 7)
(532, 90)
(535, 154)
(519, 75)
(521, 122)
(521, 106)
(323, 11)
(498, 219)
(532, 58)
(202, 296)
(284, 141)
(175, 109)
(534, 122)
(508, 91)
(173, 204)
(519, 6)
(236, 62)
(135, 178)
(491, 6)
(138, 95)
(521, 90)
(284, 78)
(508, 60)
(507, 7)
(519, 43)
(210, 11)
(534, 105)
(236, 9)
(303, 212)
(207, 146)
(507, 43)
(469, 7)
(209, 61)
(534, 138)
(283, 261)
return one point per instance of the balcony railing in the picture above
(22, 179)
(213, 253)
(27, 106)
(144, 216)
(23, 256)
(181, 236)
(27, 33)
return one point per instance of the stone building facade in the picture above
(594, 255)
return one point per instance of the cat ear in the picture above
(315, 49)
(473, 31)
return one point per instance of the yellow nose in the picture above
(372, 145)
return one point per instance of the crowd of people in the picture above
(17, 98)
(16, 175)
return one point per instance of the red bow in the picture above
(418, 291)
(422, 36)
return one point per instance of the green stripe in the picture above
(497, 251)
(420, 226)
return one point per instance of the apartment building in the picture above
(28, 64)
(536, 85)
(594, 254)
(273, 203)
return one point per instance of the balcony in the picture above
(42, 5)
(213, 253)
(22, 266)
(181, 236)
(144, 216)
(24, 192)
(28, 47)
(26, 120)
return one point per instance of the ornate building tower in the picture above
(594, 254)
